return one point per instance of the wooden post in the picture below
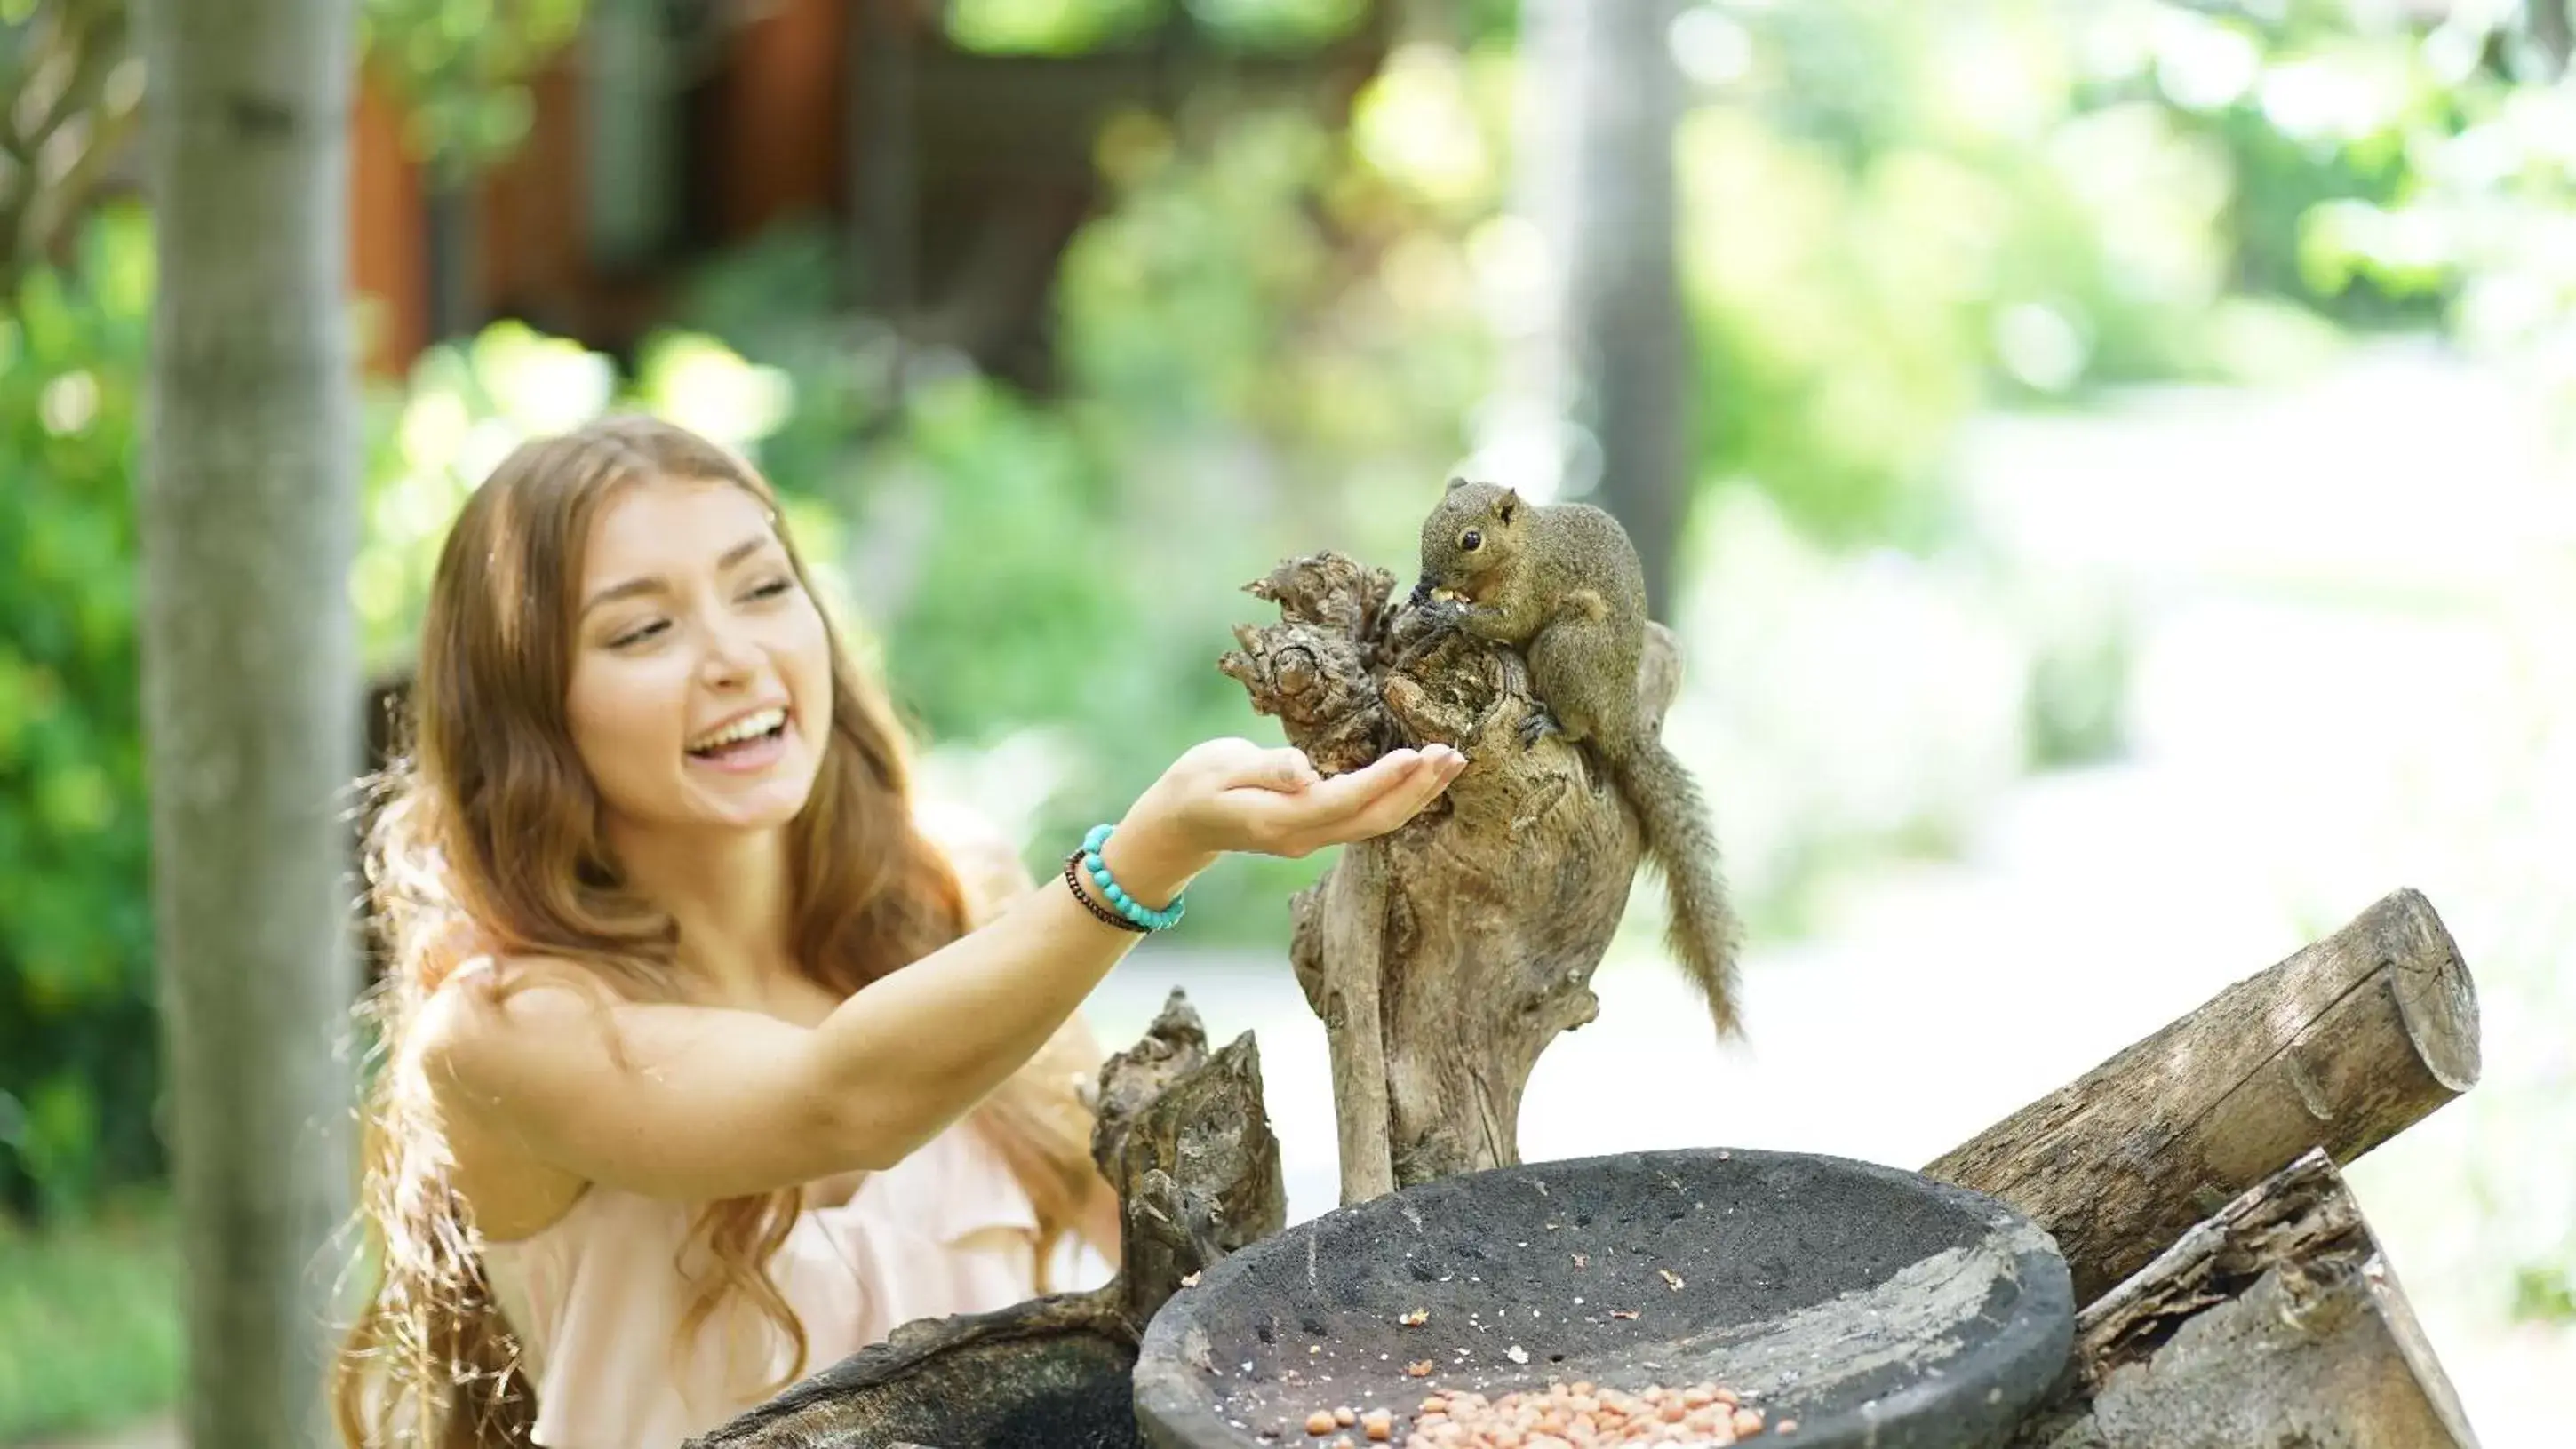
(2339, 1047)
(1442, 958)
(2276, 1324)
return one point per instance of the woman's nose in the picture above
(731, 655)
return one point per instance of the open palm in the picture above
(1235, 795)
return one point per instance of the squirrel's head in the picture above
(1470, 538)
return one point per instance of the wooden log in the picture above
(2339, 1047)
(2275, 1324)
(1183, 1134)
(1442, 958)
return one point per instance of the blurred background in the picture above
(2108, 464)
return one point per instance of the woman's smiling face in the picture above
(701, 679)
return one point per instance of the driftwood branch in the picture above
(2275, 1324)
(1445, 957)
(2339, 1047)
(1183, 1135)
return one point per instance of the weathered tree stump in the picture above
(2340, 1047)
(1184, 1136)
(2275, 1324)
(1444, 957)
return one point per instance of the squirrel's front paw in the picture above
(1539, 723)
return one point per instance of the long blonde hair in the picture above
(486, 841)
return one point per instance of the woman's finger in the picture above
(1284, 817)
(1280, 769)
(1345, 795)
(1401, 798)
(1402, 803)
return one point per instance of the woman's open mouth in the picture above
(749, 742)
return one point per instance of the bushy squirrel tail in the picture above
(1703, 935)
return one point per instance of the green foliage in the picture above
(1256, 24)
(1019, 599)
(463, 67)
(1072, 27)
(2312, 117)
(1049, 27)
(780, 300)
(2546, 1292)
(90, 1334)
(2473, 227)
(2078, 691)
(76, 94)
(1896, 214)
(76, 1025)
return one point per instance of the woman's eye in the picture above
(638, 634)
(1471, 540)
(773, 588)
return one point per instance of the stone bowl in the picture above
(1868, 1304)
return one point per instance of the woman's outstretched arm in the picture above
(698, 1102)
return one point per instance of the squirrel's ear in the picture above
(1508, 504)
(1454, 485)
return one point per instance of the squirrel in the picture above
(1562, 583)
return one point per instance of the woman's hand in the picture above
(1233, 795)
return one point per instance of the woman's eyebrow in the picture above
(653, 583)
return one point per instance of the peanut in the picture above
(1583, 1416)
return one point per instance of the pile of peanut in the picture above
(1565, 1416)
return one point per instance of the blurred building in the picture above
(672, 130)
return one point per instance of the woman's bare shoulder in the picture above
(498, 1002)
(477, 1036)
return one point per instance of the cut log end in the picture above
(2436, 999)
(2340, 1047)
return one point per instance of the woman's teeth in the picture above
(748, 727)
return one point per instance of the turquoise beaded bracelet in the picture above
(1125, 904)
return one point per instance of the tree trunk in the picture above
(1443, 958)
(1603, 380)
(884, 211)
(2340, 1047)
(250, 682)
(2276, 1324)
(1628, 327)
(2552, 34)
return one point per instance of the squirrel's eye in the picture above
(1471, 540)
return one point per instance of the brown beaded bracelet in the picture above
(1073, 883)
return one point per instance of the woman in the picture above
(698, 1071)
